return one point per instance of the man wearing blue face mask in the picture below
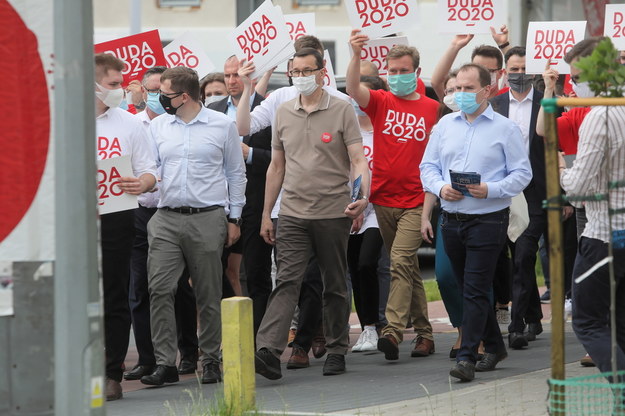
(474, 226)
(402, 120)
(139, 299)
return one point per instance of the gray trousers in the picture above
(194, 240)
(295, 238)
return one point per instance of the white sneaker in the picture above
(503, 316)
(358, 345)
(370, 340)
(568, 309)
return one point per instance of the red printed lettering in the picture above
(470, 10)
(553, 44)
(108, 184)
(184, 57)
(255, 39)
(378, 11)
(619, 28)
(136, 57)
(108, 148)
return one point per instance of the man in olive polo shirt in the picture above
(316, 140)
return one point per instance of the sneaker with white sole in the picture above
(358, 345)
(370, 340)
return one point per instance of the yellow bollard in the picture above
(238, 354)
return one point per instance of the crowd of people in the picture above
(342, 189)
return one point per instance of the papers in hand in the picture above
(356, 188)
(460, 180)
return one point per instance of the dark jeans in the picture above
(139, 299)
(591, 303)
(473, 246)
(502, 286)
(525, 297)
(363, 251)
(117, 235)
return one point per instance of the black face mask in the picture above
(520, 82)
(166, 103)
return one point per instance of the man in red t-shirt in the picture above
(402, 120)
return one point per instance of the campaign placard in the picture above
(471, 16)
(261, 37)
(376, 50)
(139, 52)
(551, 40)
(186, 51)
(329, 80)
(300, 24)
(614, 26)
(378, 18)
(110, 197)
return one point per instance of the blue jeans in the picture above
(591, 303)
(473, 246)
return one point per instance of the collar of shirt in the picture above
(234, 107)
(104, 114)
(323, 104)
(529, 96)
(488, 113)
(201, 117)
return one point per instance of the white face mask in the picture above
(582, 90)
(450, 102)
(213, 99)
(305, 85)
(110, 98)
(493, 78)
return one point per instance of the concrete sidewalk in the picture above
(374, 386)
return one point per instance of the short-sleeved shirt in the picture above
(568, 129)
(401, 129)
(316, 180)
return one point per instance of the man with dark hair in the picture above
(186, 312)
(402, 120)
(488, 56)
(474, 224)
(119, 133)
(316, 211)
(199, 154)
(521, 104)
(256, 149)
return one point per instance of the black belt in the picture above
(458, 216)
(191, 210)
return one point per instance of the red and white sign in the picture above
(471, 16)
(551, 40)
(263, 38)
(186, 51)
(300, 24)
(110, 197)
(139, 52)
(329, 80)
(376, 50)
(614, 27)
(378, 18)
(27, 197)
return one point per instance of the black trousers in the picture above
(139, 299)
(363, 252)
(525, 297)
(257, 265)
(117, 236)
(502, 285)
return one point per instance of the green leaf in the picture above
(602, 71)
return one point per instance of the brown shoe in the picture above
(299, 359)
(292, 333)
(587, 361)
(319, 346)
(113, 390)
(423, 347)
(388, 345)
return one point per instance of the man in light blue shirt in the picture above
(203, 173)
(474, 224)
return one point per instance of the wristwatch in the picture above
(236, 221)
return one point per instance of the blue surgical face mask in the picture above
(467, 101)
(359, 112)
(402, 84)
(154, 103)
(124, 105)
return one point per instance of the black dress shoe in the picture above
(463, 370)
(162, 374)
(211, 373)
(267, 365)
(490, 360)
(516, 340)
(453, 353)
(138, 371)
(334, 365)
(187, 366)
(533, 330)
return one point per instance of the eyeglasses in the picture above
(171, 94)
(154, 91)
(302, 73)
